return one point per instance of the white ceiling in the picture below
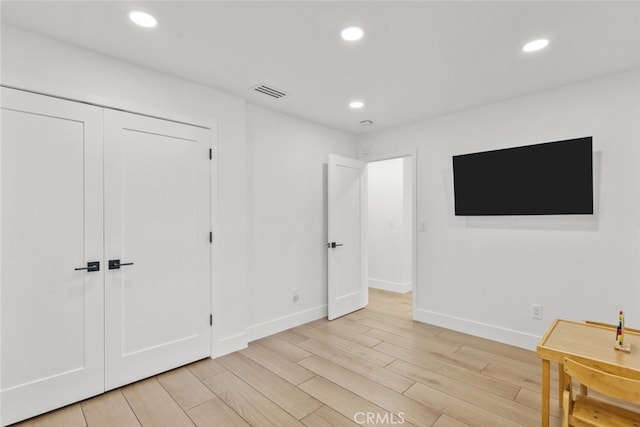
(417, 59)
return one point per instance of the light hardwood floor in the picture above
(374, 363)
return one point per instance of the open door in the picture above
(346, 248)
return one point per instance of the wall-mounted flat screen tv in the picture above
(554, 178)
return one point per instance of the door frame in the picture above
(413, 155)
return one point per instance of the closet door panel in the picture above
(52, 315)
(157, 198)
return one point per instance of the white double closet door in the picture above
(82, 184)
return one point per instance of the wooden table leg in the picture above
(560, 382)
(546, 383)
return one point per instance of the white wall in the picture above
(40, 64)
(389, 225)
(288, 207)
(480, 275)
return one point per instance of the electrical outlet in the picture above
(294, 294)
(423, 226)
(536, 311)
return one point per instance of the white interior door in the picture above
(347, 258)
(51, 313)
(158, 222)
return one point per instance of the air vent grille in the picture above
(269, 91)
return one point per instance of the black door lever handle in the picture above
(333, 245)
(115, 264)
(91, 266)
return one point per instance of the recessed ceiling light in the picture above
(352, 34)
(356, 104)
(143, 19)
(535, 45)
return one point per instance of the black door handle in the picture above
(333, 245)
(115, 264)
(91, 266)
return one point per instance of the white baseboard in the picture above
(483, 330)
(283, 323)
(401, 288)
(229, 344)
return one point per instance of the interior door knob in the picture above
(333, 245)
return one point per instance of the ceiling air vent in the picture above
(269, 91)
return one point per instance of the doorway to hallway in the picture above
(390, 229)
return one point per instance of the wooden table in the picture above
(568, 338)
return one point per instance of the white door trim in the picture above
(103, 106)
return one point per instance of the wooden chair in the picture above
(582, 410)
(583, 388)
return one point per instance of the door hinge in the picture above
(211, 320)
(210, 153)
(211, 237)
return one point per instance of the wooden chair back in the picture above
(603, 378)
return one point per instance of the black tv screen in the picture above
(554, 178)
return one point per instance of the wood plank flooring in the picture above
(373, 367)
